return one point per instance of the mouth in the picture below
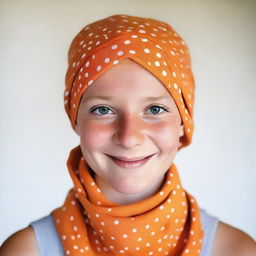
(130, 162)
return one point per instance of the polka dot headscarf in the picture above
(149, 42)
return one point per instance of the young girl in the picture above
(129, 96)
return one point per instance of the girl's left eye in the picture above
(155, 109)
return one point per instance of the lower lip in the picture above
(130, 164)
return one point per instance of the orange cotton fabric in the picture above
(168, 223)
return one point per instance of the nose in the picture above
(129, 131)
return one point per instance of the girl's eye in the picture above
(103, 110)
(155, 109)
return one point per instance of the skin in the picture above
(126, 125)
(131, 130)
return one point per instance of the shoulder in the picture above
(230, 241)
(22, 243)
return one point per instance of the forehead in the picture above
(127, 78)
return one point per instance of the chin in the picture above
(128, 186)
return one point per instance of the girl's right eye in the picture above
(102, 110)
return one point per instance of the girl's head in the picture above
(150, 43)
(129, 94)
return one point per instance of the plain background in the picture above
(219, 168)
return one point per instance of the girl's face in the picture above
(128, 113)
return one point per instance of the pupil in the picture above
(105, 110)
(155, 109)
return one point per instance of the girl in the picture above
(129, 96)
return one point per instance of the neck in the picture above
(129, 198)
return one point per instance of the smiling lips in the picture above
(130, 163)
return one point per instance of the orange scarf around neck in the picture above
(168, 223)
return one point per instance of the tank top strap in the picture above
(47, 237)
(49, 243)
(209, 223)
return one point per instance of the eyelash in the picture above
(96, 108)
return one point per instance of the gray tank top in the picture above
(49, 243)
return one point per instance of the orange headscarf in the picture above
(168, 223)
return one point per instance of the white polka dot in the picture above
(114, 47)
(102, 223)
(161, 193)
(112, 238)
(71, 218)
(87, 64)
(132, 52)
(139, 239)
(134, 36)
(83, 55)
(157, 63)
(98, 42)
(120, 53)
(147, 244)
(164, 73)
(107, 60)
(144, 40)
(161, 207)
(142, 31)
(115, 62)
(187, 251)
(158, 55)
(137, 248)
(134, 230)
(150, 253)
(152, 233)
(156, 219)
(97, 215)
(175, 86)
(125, 236)
(127, 42)
(90, 82)
(64, 237)
(173, 74)
(98, 68)
(146, 50)
(67, 252)
(116, 222)
(147, 226)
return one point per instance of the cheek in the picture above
(166, 134)
(93, 135)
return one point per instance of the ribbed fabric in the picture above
(50, 245)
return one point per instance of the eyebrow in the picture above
(109, 98)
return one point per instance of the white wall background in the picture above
(219, 168)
